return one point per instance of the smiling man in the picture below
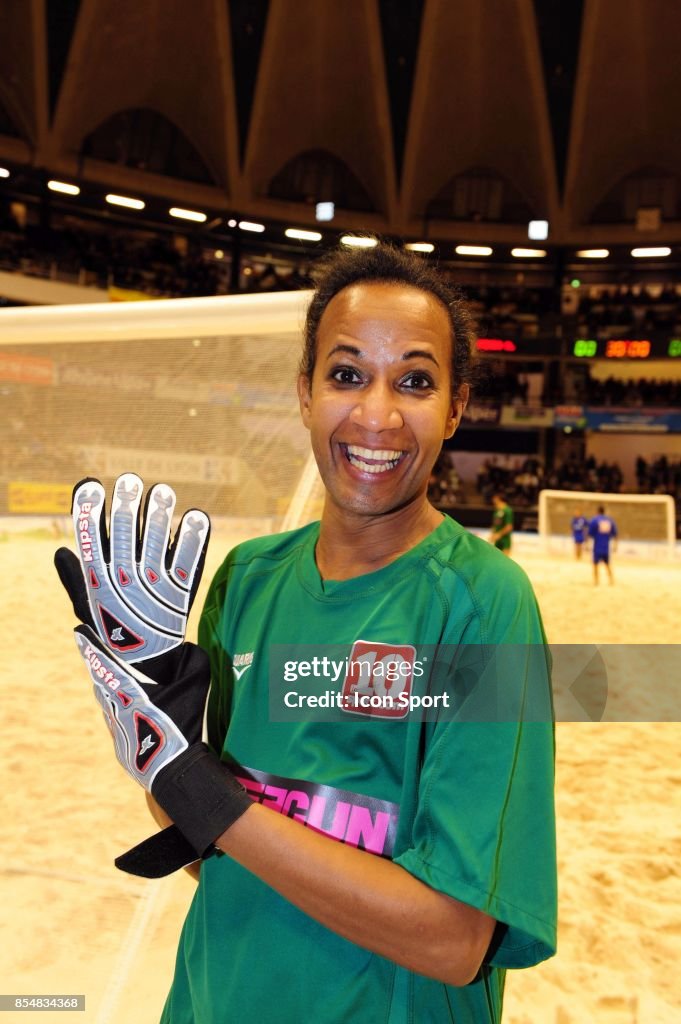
(390, 865)
(378, 405)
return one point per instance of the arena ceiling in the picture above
(458, 119)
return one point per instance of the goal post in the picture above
(199, 393)
(646, 523)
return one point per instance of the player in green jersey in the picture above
(502, 523)
(389, 867)
(410, 863)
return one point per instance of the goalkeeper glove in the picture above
(157, 737)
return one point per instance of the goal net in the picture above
(646, 523)
(198, 393)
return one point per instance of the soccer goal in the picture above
(646, 523)
(198, 393)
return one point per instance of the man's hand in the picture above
(157, 735)
(134, 587)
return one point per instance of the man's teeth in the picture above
(380, 460)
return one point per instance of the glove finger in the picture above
(146, 589)
(152, 738)
(158, 514)
(188, 553)
(117, 734)
(126, 617)
(124, 529)
(70, 573)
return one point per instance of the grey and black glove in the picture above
(135, 589)
(157, 736)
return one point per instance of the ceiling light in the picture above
(231, 223)
(325, 211)
(528, 252)
(177, 211)
(219, 254)
(63, 186)
(131, 204)
(593, 254)
(660, 250)
(419, 246)
(359, 241)
(538, 230)
(305, 236)
(473, 250)
(249, 225)
(4, 173)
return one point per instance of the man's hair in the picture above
(386, 264)
(601, 510)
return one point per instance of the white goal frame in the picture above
(610, 501)
(279, 313)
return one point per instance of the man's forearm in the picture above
(365, 898)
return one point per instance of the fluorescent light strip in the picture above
(660, 250)
(593, 254)
(359, 241)
(63, 186)
(419, 246)
(305, 236)
(249, 225)
(4, 173)
(473, 250)
(520, 253)
(131, 204)
(177, 211)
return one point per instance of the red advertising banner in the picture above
(27, 369)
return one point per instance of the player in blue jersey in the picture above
(603, 532)
(580, 528)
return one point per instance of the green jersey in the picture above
(466, 807)
(502, 517)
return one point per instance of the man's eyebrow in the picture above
(351, 349)
(416, 353)
(419, 353)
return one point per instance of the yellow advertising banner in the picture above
(128, 295)
(25, 497)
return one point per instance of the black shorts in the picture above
(601, 558)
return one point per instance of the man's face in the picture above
(381, 401)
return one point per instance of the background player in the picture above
(579, 527)
(602, 530)
(502, 524)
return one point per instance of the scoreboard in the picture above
(627, 348)
(654, 347)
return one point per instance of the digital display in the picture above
(496, 345)
(636, 348)
(627, 348)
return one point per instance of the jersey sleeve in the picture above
(484, 826)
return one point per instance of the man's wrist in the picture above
(201, 795)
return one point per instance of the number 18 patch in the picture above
(379, 679)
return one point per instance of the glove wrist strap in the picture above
(201, 795)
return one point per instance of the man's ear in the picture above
(304, 398)
(459, 403)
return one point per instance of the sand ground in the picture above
(71, 923)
